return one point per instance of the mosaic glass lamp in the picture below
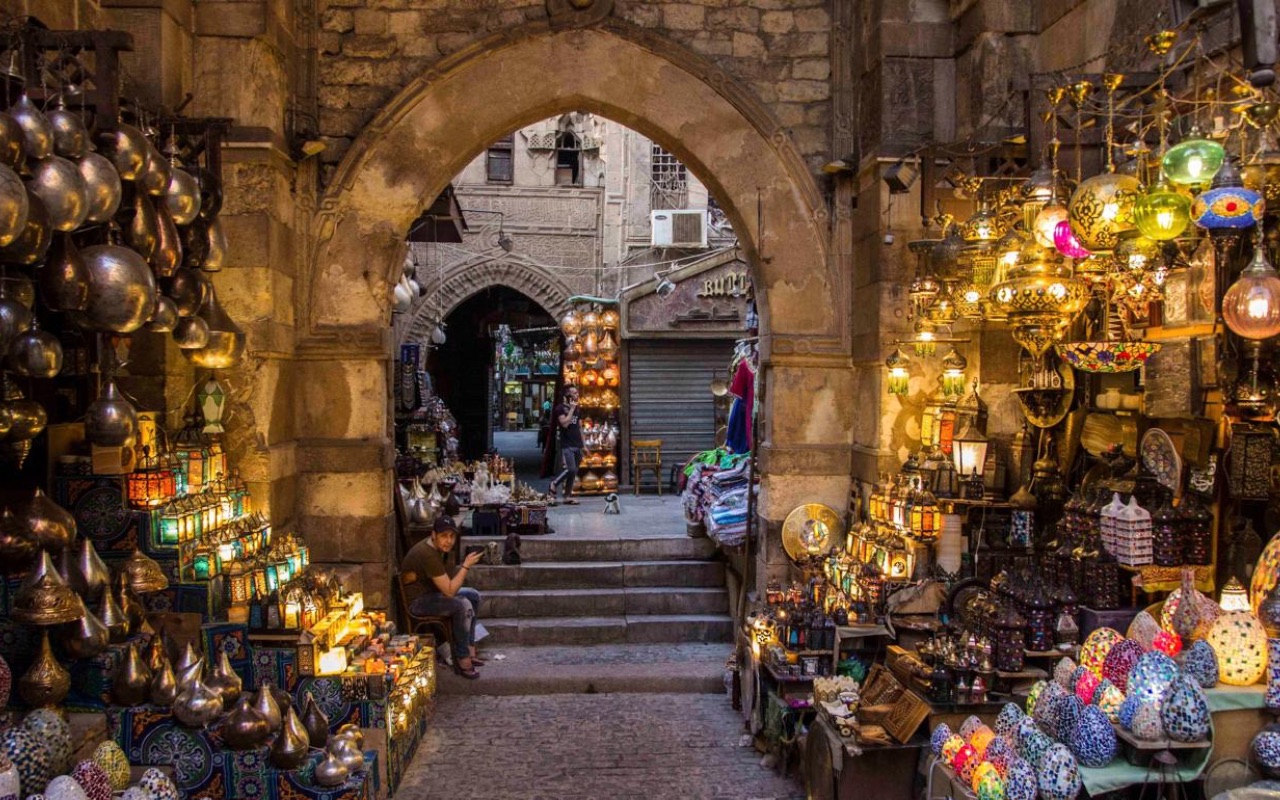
(1229, 205)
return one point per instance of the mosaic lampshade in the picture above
(1096, 648)
(1241, 644)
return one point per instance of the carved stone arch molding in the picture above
(535, 282)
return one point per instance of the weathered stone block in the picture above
(370, 21)
(796, 91)
(345, 494)
(366, 46)
(338, 20)
(713, 44)
(811, 69)
(682, 16)
(778, 21)
(645, 16)
(742, 19)
(748, 45)
(812, 20)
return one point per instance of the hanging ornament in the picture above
(1162, 212)
(1251, 306)
(899, 377)
(1101, 209)
(1228, 205)
(213, 401)
(1064, 239)
(1194, 161)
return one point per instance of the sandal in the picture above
(469, 674)
(477, 661)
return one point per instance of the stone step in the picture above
(606, 630)
(553, 548)
(598, 575)
(594, 602)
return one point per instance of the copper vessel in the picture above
(191, 333)
(113, 618)
(143, 574)
(291, 747)
(168, 254)
(36, 353)
(13, 206)
(182, 198)
(316, 723)
(111, 420)
(165, 317)
(132, 683)
(186, 661)
(37, 133)
(64, 278)
(186, 289)
(33, 242)
(126, 146)
(197, 705)
(122, 289)
(87, 636)
(46, 683)
(84, 570)
(58, 183)
(155, 173)
(102, 187)
(216, 257)
(13, 144)
(51, 525)
(226, 339)
(44, 598)
(243, 728)
(164, 684)
(265, 702)
(348, 754)
(331, 772)
(17, 548)
(223, 678)
(142, 232)
(70, 136)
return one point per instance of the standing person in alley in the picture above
(565, 416)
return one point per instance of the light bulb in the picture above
(1251, 307)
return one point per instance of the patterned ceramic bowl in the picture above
(1107, 356)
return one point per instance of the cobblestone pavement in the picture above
(583, 747)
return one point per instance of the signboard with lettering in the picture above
(710, 301)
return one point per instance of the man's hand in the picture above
(472, 558)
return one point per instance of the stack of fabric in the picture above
(715, 494)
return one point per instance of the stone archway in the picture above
(411, 150)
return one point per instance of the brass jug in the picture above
(243, 728)
(132, 683)
(291, 746)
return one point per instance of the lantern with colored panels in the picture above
(899, 378)
(953, 368)
(1228, 206)
(212, 399)
(239, 583)
(206, 563)
(151, 484)
(217, 469)
(192, 450)
(969, 454)
(168, 525)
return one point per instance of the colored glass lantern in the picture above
(1102, 208)
(1241, 644)
(1251, 307)
(212, 399)
(151, 484)
(1194, 161)
(1064, 239)
(205, 564)
(1234, 597)
(1229, 205)
(953, 367)
(925, 340)
(272, 577)
(1162, 212)
(899, 377)
(168, 524)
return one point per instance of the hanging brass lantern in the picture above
(226, 339)
(1040, 297)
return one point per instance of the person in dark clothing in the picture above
(433, 587)
(565, 416)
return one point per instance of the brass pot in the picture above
(165, 316)
(126, 146)
(225, 680)
(44, 598)
(46, 684)
(87, 636)
(15, 318)
(113, 618)
(64, 278)
(122, 289)
(182, 197)
(37, 133)
(216, 258)
(168, 254)
(353, 731)
(49, 524)
(187, 290)
(197, 705)
(164, 684)
(331, 772)
(36, 354)
(13, 145)
(102, 186)
(348, 754)
(191, 333)
(226, 340)
(17, 549)
(291, 747)
(70, 136)
(13, 206)
(58, 183)
(142, 226)
(111, 420)
(265, 703)
(84, 570)
(316, 723)
(32, 244)
(155, 173)
(156, 654)
(243, 728)
(210, 194)
(132, 683)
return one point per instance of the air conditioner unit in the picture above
(679, 228)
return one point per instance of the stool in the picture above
(646, 456)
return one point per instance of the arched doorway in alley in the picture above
(407, 156)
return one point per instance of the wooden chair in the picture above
(441, 627)
(646, 456)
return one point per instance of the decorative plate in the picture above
(1161, 458)
(810, 531)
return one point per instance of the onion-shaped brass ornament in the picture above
(315, 721)
(46, 683)
(243, 728)
(143, 574)
(216, 258)
(27, 419)
(182, 197)
(13, 144)
(155, 173)
(156, 653)
(165, 316)
(17, 548)
(102, 187)
(186, 661)
(265, 702)
(44, 598)
(132, 683)
(37, 133)
(348, 754)
(164, 684)
(291, 747)
(64, 278)
(226, 340)
(49, 524)
(168, 254)
(126, 146)
(87, 636)
(210, 194)
(331, 772)
(187, 290)
(113, 618)
(122, 289)
(70, 136)
(350, 729)
(36, 353)
(195, 243)
(19, 287)
(191, 333)
(59, 185)
(15, 318)
(13, 206)
(88, 576)
(129, 604)
(32, 244)
(225, 680)
(197, 705)
(111, 420)
(143, 230)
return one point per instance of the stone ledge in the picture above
(345, 455)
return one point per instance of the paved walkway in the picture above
(588, 746)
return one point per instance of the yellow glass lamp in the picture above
(1234, 597)
(899, 376)
(1240, 643)
(953, 369)
(1162, 212)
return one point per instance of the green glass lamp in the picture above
(1194, 161)
(1162, 212)
(899, 377)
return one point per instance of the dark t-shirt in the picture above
(426, 563)
(571, 434)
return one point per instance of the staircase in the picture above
(595, 591)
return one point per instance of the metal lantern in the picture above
(152, 484)
(969, 455)
(213, 401)
(899, 377)
(1194, 161)
(1102, 208)
(953, 368)
(192, 448)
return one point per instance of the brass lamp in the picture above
(1040, 297)
(969, 454)
(226, 340)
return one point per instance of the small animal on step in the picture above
(611, 503)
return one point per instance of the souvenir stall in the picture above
(158, 636)
(1081, 565)
(590, 362)
(426, 431)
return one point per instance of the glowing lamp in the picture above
(953, 367)
(332, 662)
(1136, 253)
(1241, 644)
(969, 455)
(1251, 307)
(1234, 597)
(1228, 206)
(1046, 222)
(1102, 208)
(899, 378)
(1194, 161)
(608, 346)
(925, 342)
(1064, 239)
(1162, 212)
(571, 323)
(205, 564)
(168, 525)
(273, 577)
(239, 584)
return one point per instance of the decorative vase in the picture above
(225, 680)
(316, 723)
(164, 684)
(132, 683)
(266, 705)
(331, 772)
(291, 746)
(243, 728)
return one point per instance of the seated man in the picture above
(433, 587)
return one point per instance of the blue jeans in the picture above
(461, 609)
